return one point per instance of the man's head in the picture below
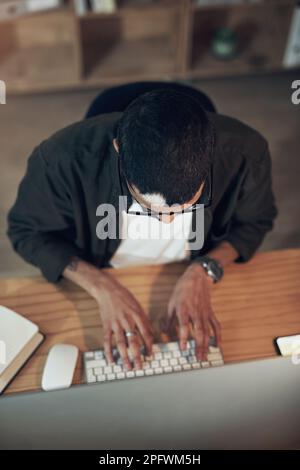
(165, 141)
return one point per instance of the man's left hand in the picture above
(190, 302)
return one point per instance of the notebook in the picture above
(19, 338)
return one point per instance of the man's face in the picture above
(157, 204)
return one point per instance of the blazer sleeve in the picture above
(255, 210)
(41, 223)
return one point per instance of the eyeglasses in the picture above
(204, 201)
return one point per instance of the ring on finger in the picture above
(129, 334)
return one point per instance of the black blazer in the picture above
(74, 171)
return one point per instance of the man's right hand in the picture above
(121, 313)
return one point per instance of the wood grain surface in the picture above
(255, 302)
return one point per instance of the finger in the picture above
(216, 329)
(170, 315)
(128, 325)
(145, 331)
(135, 351)
(204, 324)
(184, 329)
(204, 351)
(107, 344)
(121, 345)
(199, 339)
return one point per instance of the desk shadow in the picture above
(87, 327)
(160, 293)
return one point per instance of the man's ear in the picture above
(116, 145)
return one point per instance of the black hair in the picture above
(166, 142)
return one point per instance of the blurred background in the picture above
(56, 56)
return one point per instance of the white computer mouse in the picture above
(60, 366)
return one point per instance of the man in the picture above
(170, 158)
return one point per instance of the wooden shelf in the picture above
(134, 58)
(128, 7)
(40, 68)
(243, 4)
(153, 40)
(131, 46)
(261, 38)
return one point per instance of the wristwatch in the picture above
(211, 266)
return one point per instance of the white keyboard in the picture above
(166, 358)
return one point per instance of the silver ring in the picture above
(128, 334)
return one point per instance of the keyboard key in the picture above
(158, 356)
(164, 362)
(167, 355)
(158, 370)
(130, 374)
(103, 363)
(173, 362)
(139, 373)
(149, 372)
(176, 354)
(173, 346)
(90, 373)
(89, 355)
(101, 378)
(98, 371)
(192, 359)
(93, 364)
(182, 360)
(117, 369)
(111, 376)
(156, 348)
(217, 363)
(92, 379)
(107, 370)
(99, 355)
(185, 353)
(214, 356)
(204, 364)
(168, 369)
(121, 375)
(154, 364)
(186, 366)
(177, 368)
(196, 365)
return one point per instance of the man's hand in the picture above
(121, 313)
(119, 310)
(190, 303)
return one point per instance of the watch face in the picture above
(215, 269)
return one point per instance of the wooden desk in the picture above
(255, 302)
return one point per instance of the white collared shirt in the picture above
(147, 240)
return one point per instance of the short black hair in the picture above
(166, 143)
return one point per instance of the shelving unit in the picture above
(158, 39)
(261, 30)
